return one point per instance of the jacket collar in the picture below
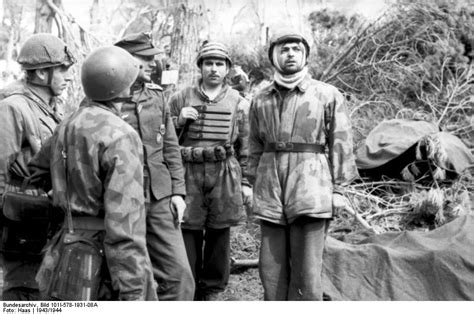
(198, 90)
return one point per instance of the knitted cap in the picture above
(213, 50)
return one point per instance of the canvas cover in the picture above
(390, 139)
(408, 265)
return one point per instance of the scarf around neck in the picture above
(290, 81)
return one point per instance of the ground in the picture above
(244, 283)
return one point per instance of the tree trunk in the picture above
(44, 17)
(185, 42)
(13, 12)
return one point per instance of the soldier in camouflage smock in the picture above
(101, 182)
(164, 185)
(297, 186)
(28, 117)
(212, 119)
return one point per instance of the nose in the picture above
(152, 63)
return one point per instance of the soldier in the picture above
(28, 118)
(239, 81)
(94, 160)
(213, 121)
(296, 186)
(149, 115)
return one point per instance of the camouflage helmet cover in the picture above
(107, 72)
(44, 50)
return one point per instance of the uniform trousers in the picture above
(291, 259)
(167, 252)
(209, 256)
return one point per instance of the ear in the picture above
(42, 74)
(227, 66)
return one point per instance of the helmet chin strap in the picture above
(50, 79)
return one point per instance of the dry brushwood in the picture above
(396, 206)
(412, 58)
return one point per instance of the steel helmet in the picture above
(107, 72)
(213, 49)
(44, 50)
(285, 37)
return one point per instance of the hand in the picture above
(187, 113)
(179, 206)
(339, 203)
(247, 195)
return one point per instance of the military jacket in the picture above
(104, 179)
(26, 122)
(291, 184)
(149, 115)
(228, 102)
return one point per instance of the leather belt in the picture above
(87, 223)
(294, 147)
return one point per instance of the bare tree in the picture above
(45, 15)
(13, 14)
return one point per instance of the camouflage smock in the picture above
(26, 122)
(105, 180)
(213, 189)
(291, 184)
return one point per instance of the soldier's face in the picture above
(147, 64)
(61, 76)
(214, 71)
(290, 57)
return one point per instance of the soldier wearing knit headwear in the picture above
(212, 120)
(28, 117)
(300, 157)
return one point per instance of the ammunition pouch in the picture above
(80, 268)
(213, 123)
(27, 221)
(207, 154)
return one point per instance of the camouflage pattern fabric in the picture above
(291, 184)
(26, 122)
(106, 180)
(213, 189)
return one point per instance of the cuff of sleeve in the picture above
(179, 191)
(338, 190)
(246, 182)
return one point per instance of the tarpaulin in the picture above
(390, 139)
(408, 265)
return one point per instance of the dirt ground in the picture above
(244, 283)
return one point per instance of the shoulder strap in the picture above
(68, 205)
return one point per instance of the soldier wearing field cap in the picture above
(294, 122)
(93, 163)
(148, 113)
(212, 119)
(28, 117)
